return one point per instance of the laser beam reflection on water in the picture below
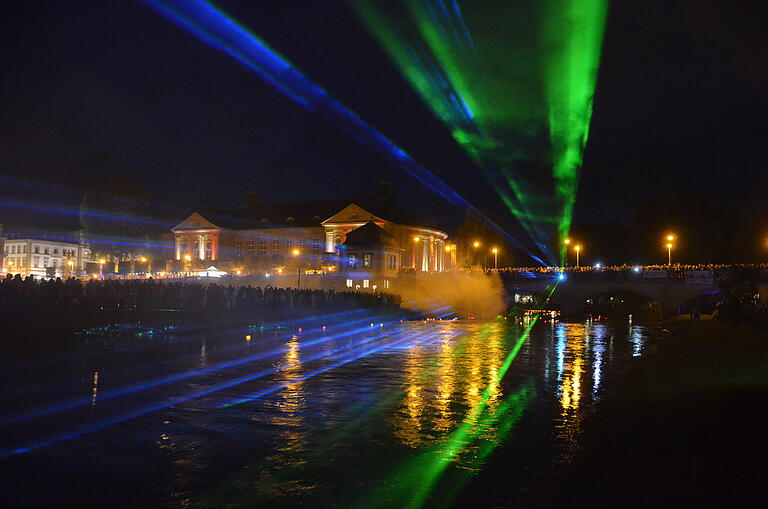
(122, 391)
(418, 478)
(357, 351)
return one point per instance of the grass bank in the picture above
(684, 427)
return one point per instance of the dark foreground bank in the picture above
(684, 427)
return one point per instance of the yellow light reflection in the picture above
(436, 401)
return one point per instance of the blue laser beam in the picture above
(216, 29)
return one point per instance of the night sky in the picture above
(93, 88)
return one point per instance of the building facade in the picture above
(44, 258)
(312, 238)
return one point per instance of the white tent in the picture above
(211, 272)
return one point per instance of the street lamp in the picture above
(416, 239)
(296, 252)
(670, 245)
(567, 241)
(102, 261)
(577, 247)
(71, 267)
(495, 252)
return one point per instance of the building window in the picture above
(13, 249)
(391, 262)
(56, 250)
(45, 251)
(35, 261)
(386, 283)
(316, 248)
(239, 248)
(353, 260)
(37, 249)
(367, 259)
(349, 283)
(275, 246)
(263, 247)
(366, 283)
(288, 245)
(45, 262)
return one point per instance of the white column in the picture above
(201, 250)
(178, 247)
(425, 254)
(330, 245)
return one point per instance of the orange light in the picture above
(567, 241)
(476, 244)
(296, 252)
(494, 250)
(669, 245)
(447, 248)
(416, 238)
(143, 259)
(102, 261)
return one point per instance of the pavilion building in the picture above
(316, 237)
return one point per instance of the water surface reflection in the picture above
(403, 414)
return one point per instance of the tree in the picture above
(115, 218)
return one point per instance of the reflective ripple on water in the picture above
(351, 414)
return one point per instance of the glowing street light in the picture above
(475, 245)
(577, 247)
(71, 267)
(296, 252)
(102, 261)
(567, 242)
(416, 239)
(495, 252)
(670, 239)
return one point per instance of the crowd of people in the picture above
(675, 271)
(17, 292)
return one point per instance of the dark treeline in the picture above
(17, 293)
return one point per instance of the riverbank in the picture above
(684, 427)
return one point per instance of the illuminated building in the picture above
(262, 238)
(43, 257)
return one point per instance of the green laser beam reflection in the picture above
(416, 481)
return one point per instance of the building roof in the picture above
(304, 214)
(370, 235)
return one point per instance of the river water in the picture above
(343, 411)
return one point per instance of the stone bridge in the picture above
(571, 294)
